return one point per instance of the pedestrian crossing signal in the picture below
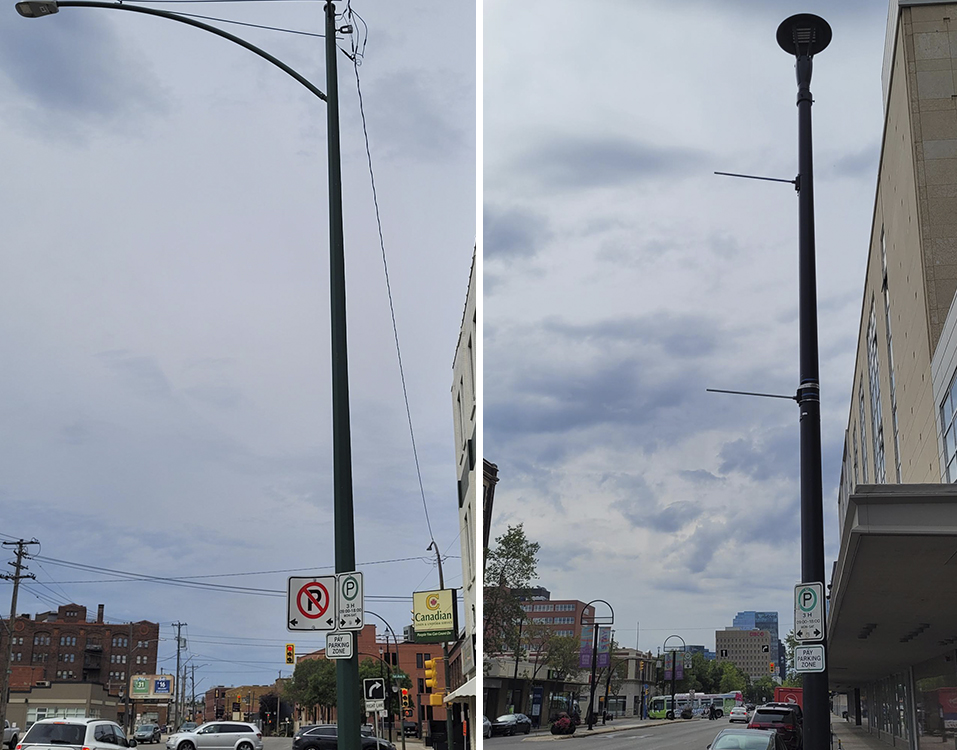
(290, 653)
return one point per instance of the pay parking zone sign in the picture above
(809, 658)
(311, 604)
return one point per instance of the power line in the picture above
(395, 330)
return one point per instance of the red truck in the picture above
(789, 695)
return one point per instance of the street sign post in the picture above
(809, 612)
(311, 603)
(351, 613)
(809, 658)
(338, 645)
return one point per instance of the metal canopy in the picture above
(894, 588)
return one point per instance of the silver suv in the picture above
(218, 735)
(93, 734)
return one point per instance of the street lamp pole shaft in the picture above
(347, 670)
(594, 665)
(816, 721)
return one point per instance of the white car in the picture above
(739, 713)
(218, 735)
(86, 733)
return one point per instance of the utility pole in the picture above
(17, 576)
(445, 653)
(179, 644)
(126, 690)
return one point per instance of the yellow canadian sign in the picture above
(434, 616)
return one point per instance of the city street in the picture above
(696, 734)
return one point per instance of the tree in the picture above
(563, 655)
(793, 678)
(313, 686)
(510, 568)
(762, 690)
(732, 679)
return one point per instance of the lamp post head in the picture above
(37, 8)
(804, 35)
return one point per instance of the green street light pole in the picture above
(347, 670)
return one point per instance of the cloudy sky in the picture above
(622, 278)
(164, 312)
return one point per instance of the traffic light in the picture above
(406, 703)
(771, 667)
(290, 653)
(435, 699)
(431, 676)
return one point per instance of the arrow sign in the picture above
(373, 689)
(809, 612)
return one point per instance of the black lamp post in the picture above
(803, 36)
(674, 669)
(596, 621)
(347, 670)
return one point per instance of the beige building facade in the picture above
(754, 652)
(892, 619)
(464, 682)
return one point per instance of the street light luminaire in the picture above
(36, 8)
(804, 35)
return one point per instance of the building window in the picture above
(119, 641)
(947, 413)
(890, 361)
(41, 639)
(860, 404)
(874, 388)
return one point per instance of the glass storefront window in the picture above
(935, 684)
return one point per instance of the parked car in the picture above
(147, 733)
(325, 737)
(510, 724)
(218, 735)
(85, 733)
(798, 711)
(739, 713)
(486, 727)
(742, 738)
(781, 720)
(11, 733)
(410, 728)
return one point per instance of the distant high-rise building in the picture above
(768, 621)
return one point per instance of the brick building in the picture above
(66, 646)
(561, 616)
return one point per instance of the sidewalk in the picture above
(849, 736)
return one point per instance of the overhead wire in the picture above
(356, 56)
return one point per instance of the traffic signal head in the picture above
(405, 697)
(431, 679)
(290, 653)
(435, 699)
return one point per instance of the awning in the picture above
(462, 693)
